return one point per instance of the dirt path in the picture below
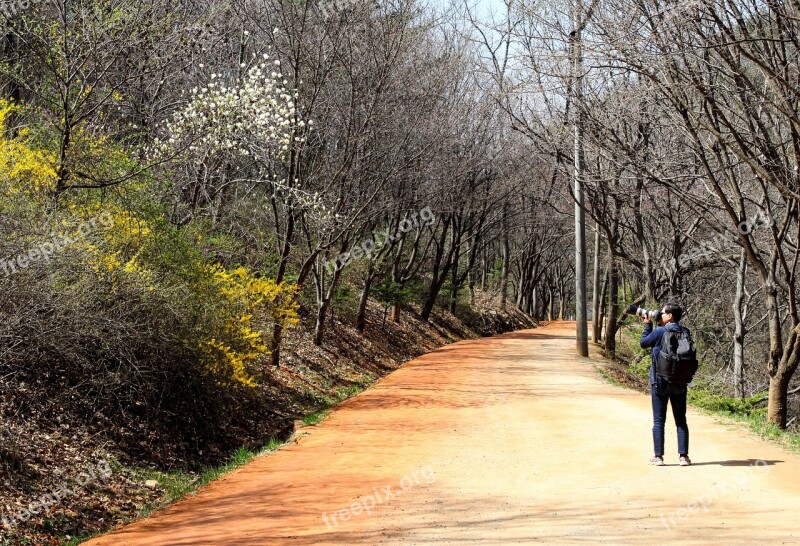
(508, 440)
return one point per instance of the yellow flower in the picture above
(252, 305)
(23, 169)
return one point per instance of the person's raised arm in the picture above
(650, 336)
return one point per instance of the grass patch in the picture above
(608, 376)
(316, 417)
(179, 483)
(735, 407)
(328, 402)
(348, 392)
(641, 368)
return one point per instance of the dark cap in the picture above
(675, 310)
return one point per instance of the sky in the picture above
(483, 8)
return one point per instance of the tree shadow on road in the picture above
(743, 462)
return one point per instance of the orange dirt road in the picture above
(507, 440)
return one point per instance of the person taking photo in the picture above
(663, 390)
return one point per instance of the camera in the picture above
(634, 309)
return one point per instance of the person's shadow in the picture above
(745, 462)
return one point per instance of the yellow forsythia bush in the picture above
(252, 306)
(23, 168)
(233, 310)
(118, 247)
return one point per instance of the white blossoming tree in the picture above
(236, 132)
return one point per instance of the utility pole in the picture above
(581, 334)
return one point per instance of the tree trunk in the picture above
(319, 326)
(441, 267)
(506, 260)
(471, 286)
(779, 382)
(775, 334)
(613, 307)
(596, 287)
(739, 332)
(454, 285)
(647, 271)
(324, 298)
(277, 330)
(361, 318)
(776, 409)
(521, 286)
(603, 304)
(433, 292)
(483, 271)
(11, 53)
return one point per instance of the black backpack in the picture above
(677, 360)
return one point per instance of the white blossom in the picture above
(251, 117)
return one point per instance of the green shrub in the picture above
(718, 403)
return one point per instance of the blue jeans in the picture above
(664, 392)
